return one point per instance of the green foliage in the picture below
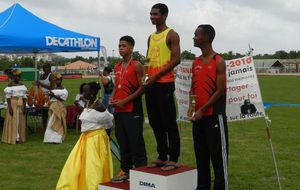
(26, 62)
(77, 58)
(59, 61)
(137, 56)
(187, 55)
(230, 55)
(280, 55)
(112, 61)
(5, 63)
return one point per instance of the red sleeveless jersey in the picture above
(126, 83)
(205, 85)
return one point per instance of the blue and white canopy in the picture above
(23, 32)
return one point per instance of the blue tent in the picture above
(23, 32)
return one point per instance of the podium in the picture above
(144, 178)
(114, 186)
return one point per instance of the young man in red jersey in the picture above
(128, 114)
(210, 132)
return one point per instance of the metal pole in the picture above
(101, 66)
(99, 61)
(35, 72)
(268, 121)
(100, 82)
(104, 54)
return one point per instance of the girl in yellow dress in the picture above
(14, 122)
(90, 162)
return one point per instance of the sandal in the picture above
(170, 166)
(156, 164)
(122, 177)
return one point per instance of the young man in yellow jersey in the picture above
(163, 54)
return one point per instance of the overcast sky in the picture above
(268, 25)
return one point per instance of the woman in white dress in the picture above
(79, 100)
(46, 79)
(14, 122)
(47, 83)
(56, 126)
(76, 110)
(90, 161)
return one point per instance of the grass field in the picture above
(34, 165)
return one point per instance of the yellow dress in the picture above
(90, 161)
(14, 125)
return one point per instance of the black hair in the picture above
(163, 9)
(128, 39)
(95, 87)
(81, 88)
(47, 65)
(208, 30)
(107, 69)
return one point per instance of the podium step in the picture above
(114, 186)
(144, 178)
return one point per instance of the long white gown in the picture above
(51, 135)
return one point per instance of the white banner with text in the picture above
(243, 93)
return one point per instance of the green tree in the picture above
(137, 56)
(281, 55)
(94, 59)
(5, 63)
(26, 62)
(59, 61)
(187, 55)
(293, 55)
(77, 58)
(267, 56)
(112, 61)
(230, 55)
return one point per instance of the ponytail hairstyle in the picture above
(95, 87)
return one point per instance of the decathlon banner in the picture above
(243, 93)
(182, 88)
(23, 32)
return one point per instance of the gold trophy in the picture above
(193, 103)
(34, 102)
(145, 62)
(46, 98)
